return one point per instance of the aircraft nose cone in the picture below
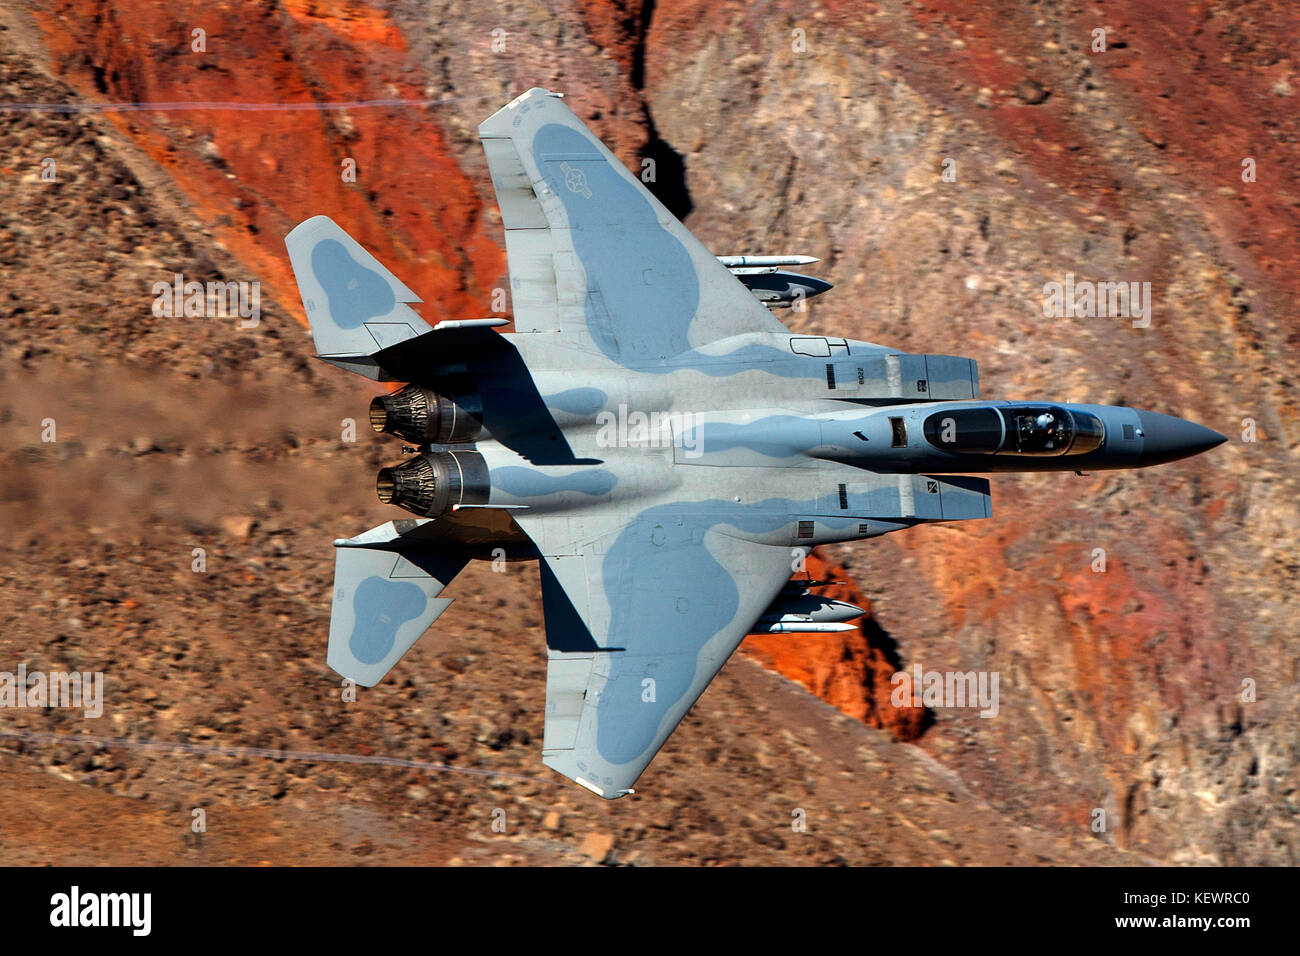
(1166, 438)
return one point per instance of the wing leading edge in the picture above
(639, 620)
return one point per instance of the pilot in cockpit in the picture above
(1045, 432)
(1051, 427)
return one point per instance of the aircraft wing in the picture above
(593, 255)
(641, 613)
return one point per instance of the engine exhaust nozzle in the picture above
(422, 416)
(430, 485)
(412, 485)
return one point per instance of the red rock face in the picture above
(850, 670)
(1206, 86)
(253, 176)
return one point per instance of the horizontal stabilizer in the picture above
(386, 592)
(354, 305)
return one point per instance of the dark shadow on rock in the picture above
(669, 185)
(880, 639)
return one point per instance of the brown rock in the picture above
(597, 846)
(1031, 92)
(238, 527)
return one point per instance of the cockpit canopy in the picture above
(1039, 430)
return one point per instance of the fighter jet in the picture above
(653, 437)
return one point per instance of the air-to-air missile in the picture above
(807, 613)
(739, 263)
(796, 610)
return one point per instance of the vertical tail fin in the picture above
(355, 306)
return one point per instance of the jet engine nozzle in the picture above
(430, 485)
(412, 485)
(422, 416)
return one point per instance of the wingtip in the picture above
(307, 225)
(548, 758)
(605, 794)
